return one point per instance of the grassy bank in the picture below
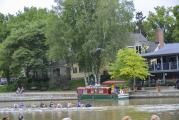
(73, 84)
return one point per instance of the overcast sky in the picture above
(13, 6)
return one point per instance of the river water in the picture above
(138, 109)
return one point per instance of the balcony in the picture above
(168, 66)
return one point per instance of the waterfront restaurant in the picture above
(164, 64)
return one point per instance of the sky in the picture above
(13, 6)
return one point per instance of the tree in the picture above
(139, 23)
(90, 31)
(129, 65)
(163, 18)
(3, 27)
(176, 29)
(24, 49)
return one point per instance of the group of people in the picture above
(53, 105)
(153, 117)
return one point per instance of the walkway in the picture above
(71, 95)
(35, 96)
(153, 93)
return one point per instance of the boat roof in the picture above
(114, 82)
(90, 87)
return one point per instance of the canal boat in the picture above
(93, 92)
(102, 92)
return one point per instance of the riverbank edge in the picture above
(72, 95)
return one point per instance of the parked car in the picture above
(3, 81)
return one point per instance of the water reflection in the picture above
(138, 109)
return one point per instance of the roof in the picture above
(139, 38)
(168, 49)
(92, 87)
(113, 82)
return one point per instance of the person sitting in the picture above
(155, 117)
(42, 105)
(51, 105)
(59, 106)
(69, 105)
(88, 105)
(126, 118)
(15, 105)
(21, 105)
(34, 106)
(79, 104)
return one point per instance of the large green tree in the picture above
(163, 18)
(129, 65)
(90, 32)
(24, 49)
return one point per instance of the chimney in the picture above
(159, 37)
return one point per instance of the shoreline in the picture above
(72, 95)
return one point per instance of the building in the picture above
(140, 43)
(163, 62)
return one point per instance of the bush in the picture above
(3, 88)
(73, 84)
(11, 87)
(8, 88)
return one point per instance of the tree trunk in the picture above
(85, 79)
(134, 85)
(8, 75)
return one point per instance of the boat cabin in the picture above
(95, 93)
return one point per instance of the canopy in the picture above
(114, 82)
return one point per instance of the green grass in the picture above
(3, 88)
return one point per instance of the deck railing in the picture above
(164, 66)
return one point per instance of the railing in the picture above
(165, 66)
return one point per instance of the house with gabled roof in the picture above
(163, 62)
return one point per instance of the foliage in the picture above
(163, 18)
(73, 84)
(129, 65)
(3, 27)
(139, 23)
(176, 30)
(89, 32)
(3, 88)
(24, 49)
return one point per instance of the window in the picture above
(80, 70)
(138, 49)
(74, 69)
